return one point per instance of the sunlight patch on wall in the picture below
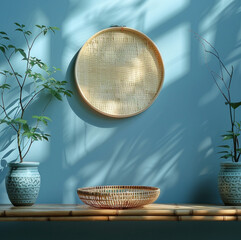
(211, 94)
(42, 48)
(175, 50)
(209, 35)
(209, 153)
(206, 146)
(96, 136)
(168, 176)
(40, 152)
(81, 138)
(209, 23)
(156, 176)
(83, 22)
(235, 54)
(40, 17)
(209, 30)
(163, 12)
(204, 171)
(205, 143)
(69, 189)
(102, 15)
(93, 169)
(74, 139)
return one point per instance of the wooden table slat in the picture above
(152, 212)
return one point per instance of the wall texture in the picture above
(172, 145)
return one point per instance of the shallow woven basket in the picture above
(118, 196)
(119, 72)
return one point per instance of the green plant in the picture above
(223, 81)
(37, 77)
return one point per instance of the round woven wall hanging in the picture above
(119, 72)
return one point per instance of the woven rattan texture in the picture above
(118, 196)
(119, 72)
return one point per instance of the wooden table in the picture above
(152, 212)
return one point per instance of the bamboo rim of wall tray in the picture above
(119, 72)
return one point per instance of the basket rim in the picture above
(161, 65)
(89, 190)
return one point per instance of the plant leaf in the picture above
(11, 46)
(2, 49)
(45, 138)
(26, 127)
(5, 86)
(19, 29)
(234, 105)
(21, 51)
(42, 119)
(224, 146)
(55, 28)
(20, 120)
(17, 24)
(28, 33)
(227, 137)
(226, 156)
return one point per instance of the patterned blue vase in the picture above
(229, 183)
(23, 183)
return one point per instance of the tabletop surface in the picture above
(151, 212)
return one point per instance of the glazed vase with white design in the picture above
(23, 183)
(229, 183)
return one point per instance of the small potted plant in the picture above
(229, 179)
(23, 179)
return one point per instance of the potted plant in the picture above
(229, 179)
(23, 179)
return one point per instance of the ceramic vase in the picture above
(23, 183)
(229, 183)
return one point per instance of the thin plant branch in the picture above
(29, 147)
(9, 63)
(4, 109)
(26, 40)
(15, 118)
(233, 134)
(32, 98)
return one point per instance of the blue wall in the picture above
(173, 144)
